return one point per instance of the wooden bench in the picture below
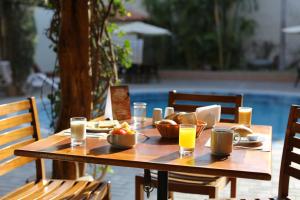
(19, 126)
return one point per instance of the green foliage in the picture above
(206, 33)
(19, 37)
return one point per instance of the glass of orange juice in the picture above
(187, 138)
(245, 116)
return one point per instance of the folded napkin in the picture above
(210, 114)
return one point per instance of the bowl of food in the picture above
(122, 137)
(170, 129)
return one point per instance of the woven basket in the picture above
(172, 131)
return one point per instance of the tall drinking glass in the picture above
(78, 131)
(139, 112)
(245, 116)
(187, 138)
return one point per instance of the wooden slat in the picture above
(9, 150)
(14, 107)
(205, 98)
(295, 142)
(18, 191)
(185, 108)
(227, 120)
(13, 164)
(39, 163)
(294, 172)
(37, 187)
(59, 191)
(296, 127)
(15, 121)
(293, 157)
(87, 192)
(16, 135)
(53, 185)
(75, 190)
(192, 108)
(101, 192)
(228, 110)
(297, 113)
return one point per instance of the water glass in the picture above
(78, 131)
(187, 139)
(245, 116)
(139, 112)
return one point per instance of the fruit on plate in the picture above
(123, 129)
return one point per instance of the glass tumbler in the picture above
(78, 131)
(245, 116)
(187, 138)
(139, 112)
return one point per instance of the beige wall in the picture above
(268, 24)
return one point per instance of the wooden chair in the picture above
(289, 155)
(197, 183)
(19, 126)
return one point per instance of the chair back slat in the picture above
(294, 172)
(204, 98)
(16, 134)
(296, 127)
(228, 120)
(14, 107)
(294, 157)
(19, 126)
(15, 121)
(192, 101)
(9, 150)
(295, 142)
(290, 155)
(14, 163)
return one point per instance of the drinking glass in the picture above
(187, 138)
(78, 131)
(139, 112)
(245, 116)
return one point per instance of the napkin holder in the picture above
(210, 114)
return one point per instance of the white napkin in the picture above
(210, 114)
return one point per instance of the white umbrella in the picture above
(142, 28)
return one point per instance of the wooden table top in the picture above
(159, 154)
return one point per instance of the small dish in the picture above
(256, 140)
(253, 137)
(126, 141)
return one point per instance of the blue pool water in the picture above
(267, 109)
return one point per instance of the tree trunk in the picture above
(73, 53)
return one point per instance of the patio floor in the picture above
(123, 178)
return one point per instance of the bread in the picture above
(242, 130)
(167, 121)
(187, 118)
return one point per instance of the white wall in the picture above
(267, 18)
(44, 56)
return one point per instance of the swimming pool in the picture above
(268, 109)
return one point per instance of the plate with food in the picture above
(102, 126)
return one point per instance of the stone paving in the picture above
(123, 178)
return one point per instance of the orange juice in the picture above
(245, 115)
(187, 137)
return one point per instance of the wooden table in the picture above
(158, 154)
